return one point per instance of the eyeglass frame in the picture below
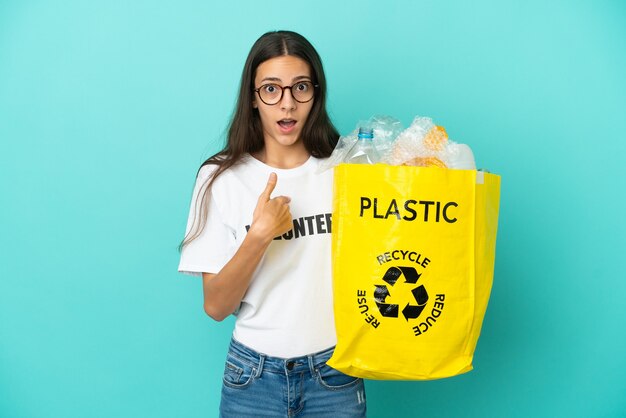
(282, 91)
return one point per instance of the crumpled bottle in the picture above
(364, 150)
(460, 156)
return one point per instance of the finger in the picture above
(269, 188)
(283, 199)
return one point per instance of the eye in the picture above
(270, 88)
(303, 86)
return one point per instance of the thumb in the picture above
(269, 188)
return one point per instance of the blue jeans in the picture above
(256, 385)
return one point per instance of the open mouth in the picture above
(286, 125)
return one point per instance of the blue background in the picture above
(107, 109)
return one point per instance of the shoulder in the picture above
(214, 168)
(207, 170)
(324, 167)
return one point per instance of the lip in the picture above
(287, 129)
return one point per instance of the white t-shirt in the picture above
(287, 310)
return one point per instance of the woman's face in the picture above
(283, 122)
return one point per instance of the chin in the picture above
(286, 140)
(289, 142)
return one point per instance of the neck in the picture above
(284, 158)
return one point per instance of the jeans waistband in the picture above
(277, 364)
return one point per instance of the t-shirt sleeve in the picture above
(212, 249)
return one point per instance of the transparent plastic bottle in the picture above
(364, 150)
(460, 156)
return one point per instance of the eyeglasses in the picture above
(302, 92)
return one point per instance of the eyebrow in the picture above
(276, 79)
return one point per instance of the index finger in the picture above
(269, 188)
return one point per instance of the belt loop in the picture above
(311, 365)
(260, 366)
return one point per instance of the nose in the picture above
(287, 101)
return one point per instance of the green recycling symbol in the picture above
(419, 293)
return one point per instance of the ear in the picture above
(254, 104)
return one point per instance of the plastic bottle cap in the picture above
(366, 133)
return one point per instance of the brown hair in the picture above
(245, 133)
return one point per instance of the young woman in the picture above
(259, 235)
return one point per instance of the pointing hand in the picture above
(272, 216)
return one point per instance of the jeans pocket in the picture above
(334, 379)
(238, 373)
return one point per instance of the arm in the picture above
(223, 291)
